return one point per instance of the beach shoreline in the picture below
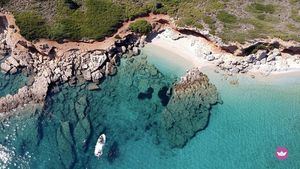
(192, 49)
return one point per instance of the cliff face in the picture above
(189, 107)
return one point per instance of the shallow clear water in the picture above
(9, 84)
(243, 132)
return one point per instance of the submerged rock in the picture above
(80, 107)
(29, 135)
(82, 134)
(92, 86)
(189, 108)
(65, 145)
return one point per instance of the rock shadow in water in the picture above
(146, 95)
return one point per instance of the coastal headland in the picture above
(51, 62)
(176, 83)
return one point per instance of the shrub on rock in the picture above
(141, 26)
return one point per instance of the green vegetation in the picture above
(100, 19)
(294, 1)
(292, 27)
(211, 23)
(32, 25)
(141, 26)
(261, 47)
(95, 19)
(295, 15)
(225, 17)
(3, 2)
(261, 8)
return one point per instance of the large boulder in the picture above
(13, 61)
(123, 49)
(250, 58)
(14, 70)
(110, 69)
(97, 61)
(87, 75)
(261, 54)
(273, 54)
(210, 57)
(234, 70)
(5, 67)
(189, 107)
(136, 51)
(96, 76)
(39, 88)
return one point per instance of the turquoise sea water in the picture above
(244, 132)
(10, 84)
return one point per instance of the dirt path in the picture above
(164, 21)
(82, 46)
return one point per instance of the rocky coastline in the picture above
(47, 65)
(256, 57)
(46, 68)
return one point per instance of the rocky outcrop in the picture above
(266, 61)
(42, 62)
(5, 67)
(189, 107)
(36, 93)
(4, 49)
(80, 107)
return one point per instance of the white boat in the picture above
(99, 145)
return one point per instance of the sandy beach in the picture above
(189, 51)
(188, 47)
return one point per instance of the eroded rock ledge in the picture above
(34, 94)
(49, 66)
(189, 107)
